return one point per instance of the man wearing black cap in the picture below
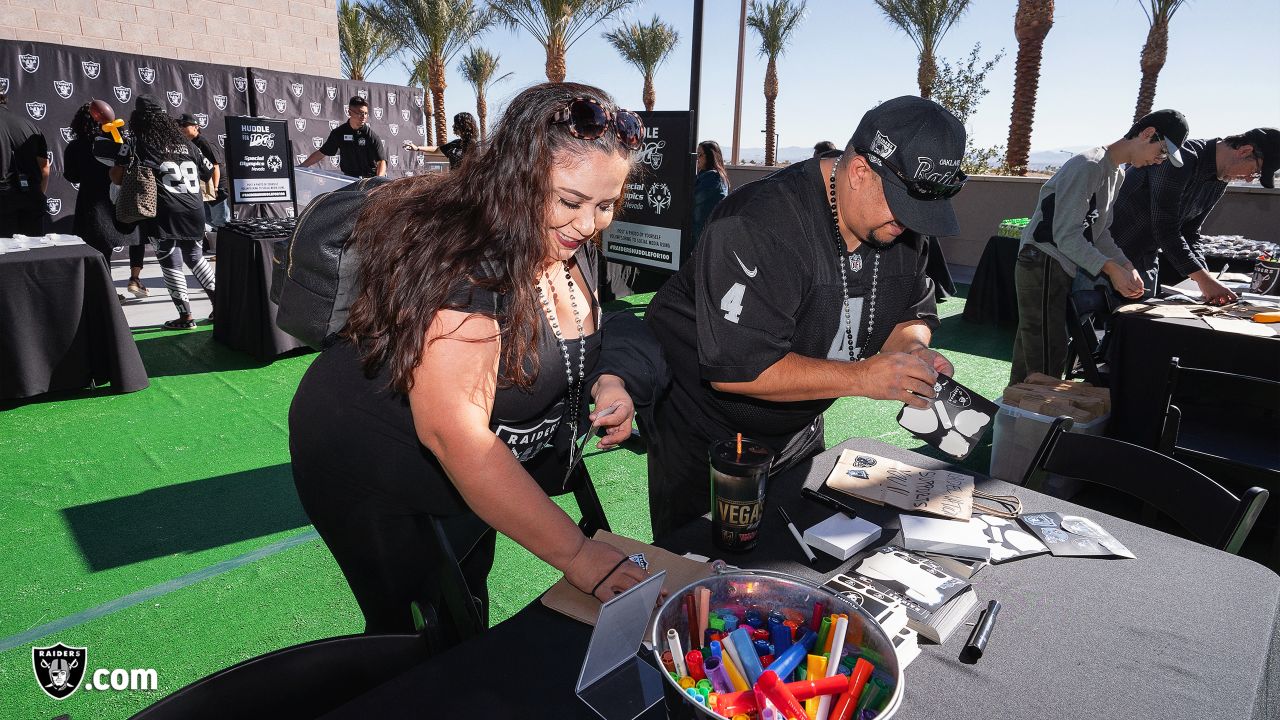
(1067, 235)
(216, 212)
(1161, 209)
(806, 286)
(359, 149)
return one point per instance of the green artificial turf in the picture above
(107, 495)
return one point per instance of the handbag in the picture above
(137, 199)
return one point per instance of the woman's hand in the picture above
(614, 411)
(410, 146)
(596, 565)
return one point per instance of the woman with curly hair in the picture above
(87, 161)
(464, 126)
(177, 230)
(463, 375)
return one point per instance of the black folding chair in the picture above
(1087, 314)
(1210, 512)
(303, 681)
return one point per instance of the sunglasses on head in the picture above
(589, 120)
(922, 188)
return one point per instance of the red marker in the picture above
(780, 696)
(730, 704)
(848, 702)
(691, 611)
(693, 660)
(816, 622)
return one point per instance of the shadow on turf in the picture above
(167, 354)
(186, 518)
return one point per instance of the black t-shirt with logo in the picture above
(210, 154)
(763, 282)
(21, 145)
(178, 171)
(359, 150)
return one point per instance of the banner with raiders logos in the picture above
(47, 83)
(313, 106)
(653, 223)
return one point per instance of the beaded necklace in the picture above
(844, 279)
(575, 384)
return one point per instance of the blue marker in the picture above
(781, 635)
(716, 649)
(754, 620)
(786, 663)
(746, 651)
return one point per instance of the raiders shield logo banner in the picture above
(404, 114)
(220, 101)
(296, 89)
(91, 69)
(147, 75)
(240, 84)
(122, 93)
(36, 110)
(377, 113)
(175, 97)
(202, 119)
(280, 105)
(63, 88)
(54, 205)
(364, 93)
(260, 85)
(59, 669)
(196, 80)
(316, 142)
(4, 85)
(394, 128)
(300, 123)
(331, 92)
(222, 140)
(66, 134)
(333, 124)
(30, 63)
(391, 98)
(315, 108)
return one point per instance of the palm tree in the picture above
(925, 22)
(1030, 25)
(433, 31)
(418, 78)
(1159, 13)
(646, 47)
(478, 67)
(363, 46)
(557, 24)
(774, 21)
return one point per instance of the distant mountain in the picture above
(1039, 160)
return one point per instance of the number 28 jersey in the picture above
(179, 206)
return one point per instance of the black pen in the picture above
(796, 533)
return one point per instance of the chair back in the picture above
(303, 681)
(1087, 311)
(1210, 512)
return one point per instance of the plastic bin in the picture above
(1016, 437)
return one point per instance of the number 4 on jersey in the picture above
(731, 303)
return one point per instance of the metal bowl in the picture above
(768, 591)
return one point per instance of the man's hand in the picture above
(905, 377)
(935, 360)
(1215, 293)
(1126, 281)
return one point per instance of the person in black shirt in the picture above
(359, 149)
(175, 233)
(463, 374)
(464, 126)
(1161, 208)
(806, 286)
(24, 175)
(216, 212)
(87, 161)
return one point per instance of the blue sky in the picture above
(1221, 70)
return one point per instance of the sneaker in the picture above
(122, 298)
(137, 289)
(180, 324)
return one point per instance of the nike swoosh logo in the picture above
(750, 273)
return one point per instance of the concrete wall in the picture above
(1253, 212)
(286, 35)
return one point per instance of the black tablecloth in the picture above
(937, 270)
(61, 326)
(1141, 346)
(993, 296)
(1183, 631)
(244, 316)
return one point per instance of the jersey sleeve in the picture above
(748, 291)
(330, 146)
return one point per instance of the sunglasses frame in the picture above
(918, 188)
(566, 116)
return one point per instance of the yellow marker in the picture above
(735, 677)
(817, 668)
(686, 682)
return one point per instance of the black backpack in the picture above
(314, 277)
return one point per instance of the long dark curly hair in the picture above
(419, 236)
(464, 126)
(82, 125)
(151, 127)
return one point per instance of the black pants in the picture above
(172, 253)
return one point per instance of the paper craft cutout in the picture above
(954, 422)
(883, 481)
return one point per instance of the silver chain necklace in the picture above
(575, 384)
(844, 278)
